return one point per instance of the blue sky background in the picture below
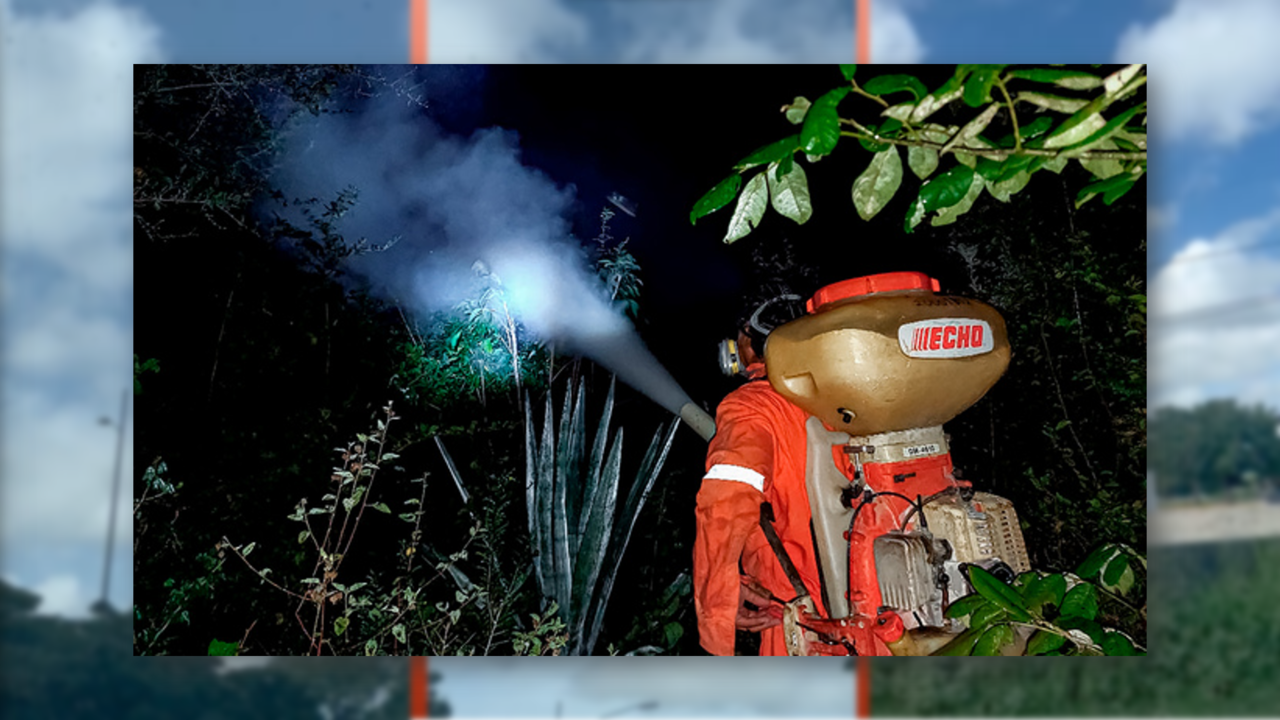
(65, 154)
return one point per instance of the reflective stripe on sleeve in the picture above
(736, 473)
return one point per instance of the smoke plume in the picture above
(459, 205)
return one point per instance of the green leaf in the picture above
(1035, 128)
(1115, 568)
(998, 593)
(1055, 165)
(716, 198)
(382, 507)
(750, 209)
(1126, 581)
(948, 215)
(1116, 81)
(789, 191)
(1088, 626)
(885, 84)
(915, 215)
(1005, 189)
(961, 645)
(875, 187)
(1044, 642)
(247, 549)
(972, 129)
(1111, 127)
(987, 615)
(1114, 643)
(946, 189)
(397, 631)
(673, 631)
(370, 647)
(797, 110)
(773, 152)
(1081, 601)
(900, 112)
(340, 625)
(223, 649)
(783, 167)
(977, 90)
(873, 146)
(1096, 561)
(992, 640)
(1115, 186)
(408, 517)
(965, 606)
(922, 160)
(1048, 589)
(1052, 102)
(1075, 128)
(848, 71)
(302, 536)
(935, 101)
(821, 129)
(1070, 79)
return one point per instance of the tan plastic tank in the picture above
(886, 352)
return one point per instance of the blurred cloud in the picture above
(1213, 67)
(685, 686)
(1216, 317)
(65, 126)
(494, 31)
(62, 595)
(663, 31)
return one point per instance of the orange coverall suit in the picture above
(757, 455)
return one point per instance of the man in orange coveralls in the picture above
(756, 456)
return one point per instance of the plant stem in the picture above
(1013, 115)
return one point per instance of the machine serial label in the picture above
(945, 338)
(914, 451)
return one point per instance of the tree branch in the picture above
(997, 153)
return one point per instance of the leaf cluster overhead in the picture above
(1095, 118)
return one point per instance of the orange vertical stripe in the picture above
(864, 32)
(418, 31)
(863, 682)
(417, 688)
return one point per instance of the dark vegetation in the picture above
(57, 668)
(1216, 450)
(274, 368)
(1213, 637)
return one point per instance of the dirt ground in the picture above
(1213, 523)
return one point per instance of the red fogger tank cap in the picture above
(857, 287)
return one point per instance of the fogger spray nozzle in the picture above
(697, 419)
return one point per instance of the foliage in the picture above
(208, 135)
(1214, 633)
(56, 667)
(477, 351)
(150, 365)
(579, 534)
(1214, 448)
(618, 269)
(1064, 612)
(1063, 433)
(480, 349)
(547, 636)
(1112, 149)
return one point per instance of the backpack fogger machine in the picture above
(880, 363)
